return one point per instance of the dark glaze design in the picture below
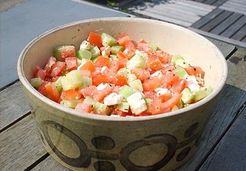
(103, 143)
(183, 154)
(106, 143)
(104, 166)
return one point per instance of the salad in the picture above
(118, 76)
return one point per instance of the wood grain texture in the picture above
(20, 146)
(13, 104)
(237, 69)
(231, 99)
(230, 153)
(49, 164)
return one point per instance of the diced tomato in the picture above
(169, 78)
(51, 62)
(88, 91)
(143, 46)
(121, 55)
(151, 84)
(51, 92)
(101, 94)
(82, 107)
(69, 52)
(100, 78)
(168, 105)
(72, 94)
(167, 68)
(141, 74)
(179, 86)
(102, 61)
(114, 66)
(95, 39)
(120, 80)
(42, 89)
(165, 97)
(41, 73)
(89, 65)
(163, 56)
(71, 63)
(155, 64)
(155, 106)
(192, 70)
(129, 49)
(123, 40)
(86, 73)
(57, 69)
(122, 63)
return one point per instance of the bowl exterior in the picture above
(161, 144)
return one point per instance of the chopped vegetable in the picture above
(117, 76)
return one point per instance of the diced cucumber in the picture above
(113, 99)
(179, 71)
(63, 51)
(89, 101)
(137, 103)
(180, 61)
(202, 93)
(124, 107)
(106, 51)
(101, 108)
(131, 77)
(70, 103)
(85, 45)
(137, 61)
(84, 54)
(113, 57)
(74, 79)
(95, 51)
(58, 84)
(126, 91)
(124, 71)
(36, 82)
(148, 102)
(116, 49)
(187, 96)
(108, 40)
(154, 47)
(136, 84)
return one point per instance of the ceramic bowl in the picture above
(82, 141)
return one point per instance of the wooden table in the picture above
(222, 145)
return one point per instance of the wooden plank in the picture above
(209, 1)
(226, 23)
(235, 27)
(229, 154)
(41, 16)
(13, 105)
(240, 33)
(204, 20)
(219, 2)
(237, 69)
(20, 146)
(217, 20)
(49, 164)
(219, 37)
(236, 6)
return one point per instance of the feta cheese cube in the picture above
(157, 74)
(192, 83)
(112, 99)
(137, 103)
(85, 45)
(102, 86)
(161, 91)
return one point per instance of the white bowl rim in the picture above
(85, 115)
